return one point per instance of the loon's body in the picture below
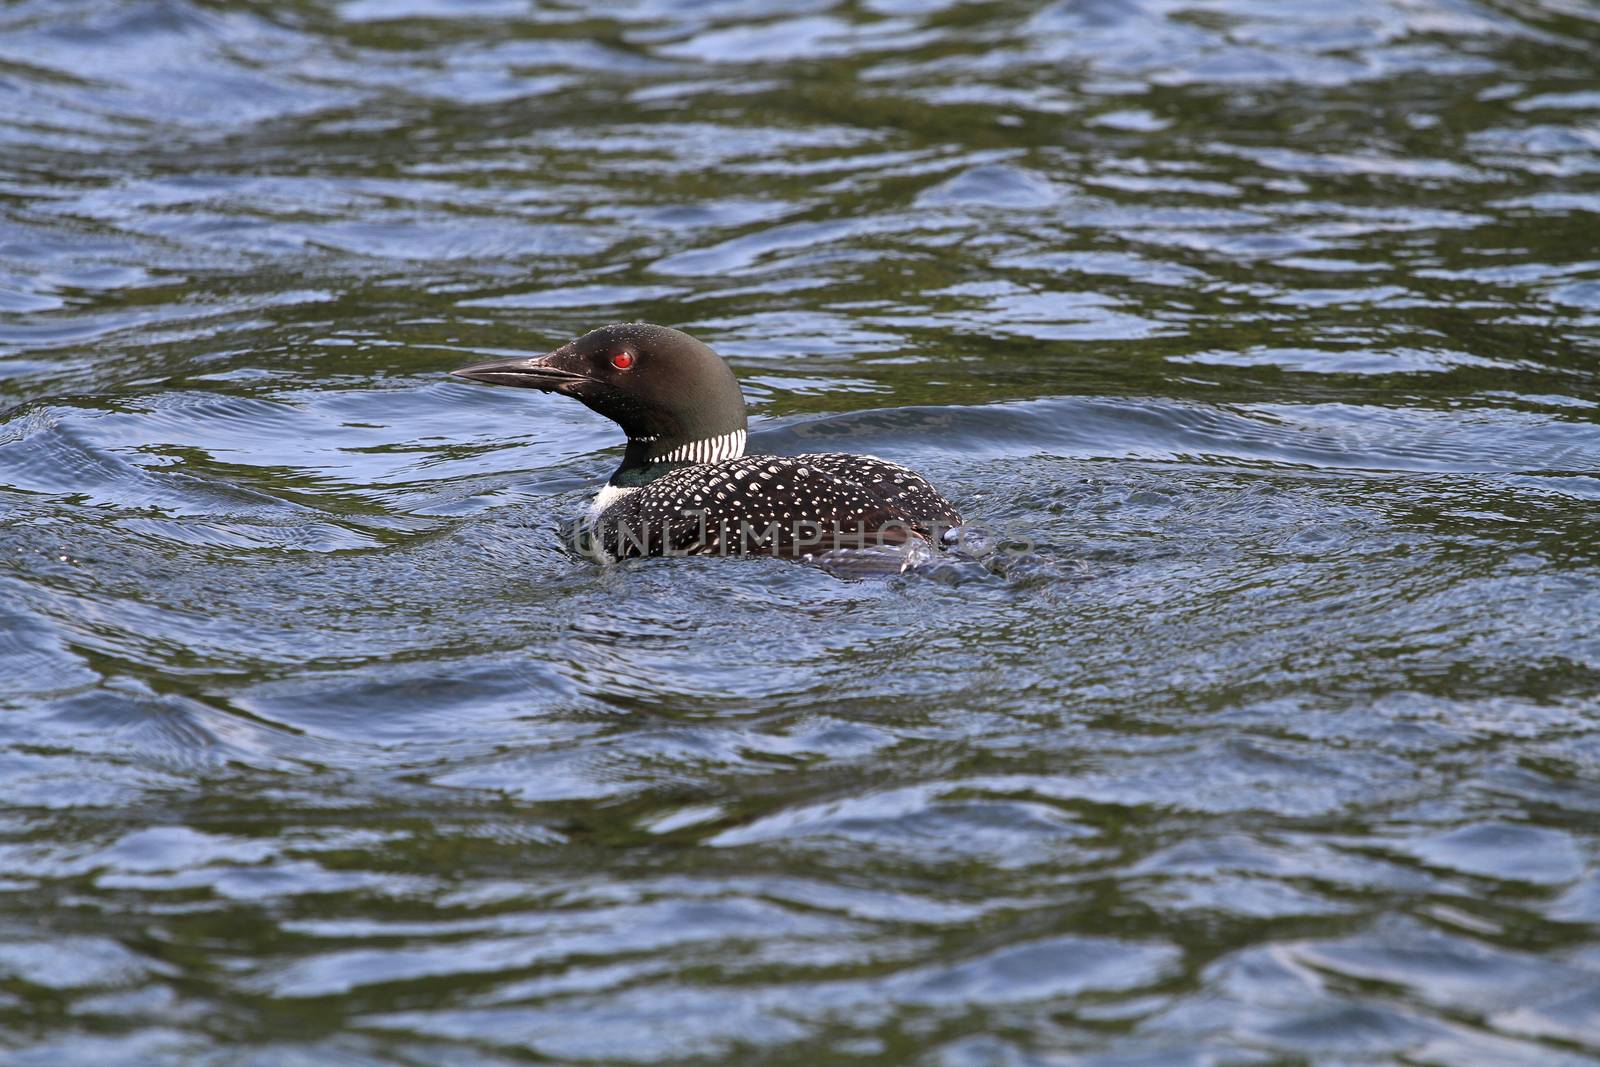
(685, 486)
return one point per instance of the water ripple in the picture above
(1260, 726)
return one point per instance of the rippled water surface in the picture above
(1265, 335)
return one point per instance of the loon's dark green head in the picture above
(675, 398)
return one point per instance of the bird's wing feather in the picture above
(776, 505)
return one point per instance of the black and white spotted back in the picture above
(788, 506)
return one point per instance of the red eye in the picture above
(622, 360)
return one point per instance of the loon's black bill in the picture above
(528, 373)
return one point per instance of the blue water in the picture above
(1263, 337)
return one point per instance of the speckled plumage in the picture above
(788, 506)
(685, 487)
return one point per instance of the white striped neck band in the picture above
(710, 450)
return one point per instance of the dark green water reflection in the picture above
(1274, 327)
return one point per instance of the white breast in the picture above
(607, 496)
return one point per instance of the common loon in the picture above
(685, 486)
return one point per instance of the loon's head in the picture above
(675, 398)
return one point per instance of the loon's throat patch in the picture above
(709, 450)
